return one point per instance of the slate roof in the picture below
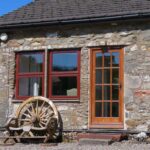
(61, 11)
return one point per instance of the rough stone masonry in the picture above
(135, 37)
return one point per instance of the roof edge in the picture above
(81, 20)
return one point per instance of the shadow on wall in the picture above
(60, 129)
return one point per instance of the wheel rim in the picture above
(36, 112)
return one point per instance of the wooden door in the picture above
(106, 88)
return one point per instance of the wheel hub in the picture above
(35, 119)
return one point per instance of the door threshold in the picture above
(107, 126)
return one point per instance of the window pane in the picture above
(30, 63)
(106, 109)
(99, 60)
(98, 110)
(115, 110)
(115, 59)
(65, 62)
(64, 86)
(107, 76)
(115, 92)
(31, 86)
(106, 92)
(106, 59)
(98, 93)
(115, 76)
(98, 76)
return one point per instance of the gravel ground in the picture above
(76, 146)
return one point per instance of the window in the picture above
(63, 74)
(29, 74)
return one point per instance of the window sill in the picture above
(54, 101)
(66, 101)
(17, 101)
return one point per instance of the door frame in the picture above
(119, 125)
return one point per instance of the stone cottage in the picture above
(90, 57)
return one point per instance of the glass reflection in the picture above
(65, 62)
(98, 76)
(64, 86)
(115, 76)
(106, 59)
(115, 92)
(30, 63)
(98, 110)
(106, 110)
(99, 59)
(107, 76)
(27, 86)
(115, 59)
(106, 92)
(115, 110)
(98, 93)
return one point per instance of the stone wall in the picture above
(136, 40)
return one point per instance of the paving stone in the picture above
(86, 141)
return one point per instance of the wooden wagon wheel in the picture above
(35, 112)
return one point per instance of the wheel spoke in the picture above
(45, 115)
(27, 115)
(30, 113)
(41, 125)
(41, 107)
(26, 120)
(44, 111)
(43, 122)
(37, 106)
(33, 110)
(31, 134)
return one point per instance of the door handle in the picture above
(120, 86)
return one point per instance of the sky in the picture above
(10, 5)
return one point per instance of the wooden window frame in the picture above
(27, 75)
(49, 74)
(64, 74)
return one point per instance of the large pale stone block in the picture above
(132, 82)
(134, 48)
(125, 33)
(142, 127)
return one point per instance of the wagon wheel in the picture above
(35, 112)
